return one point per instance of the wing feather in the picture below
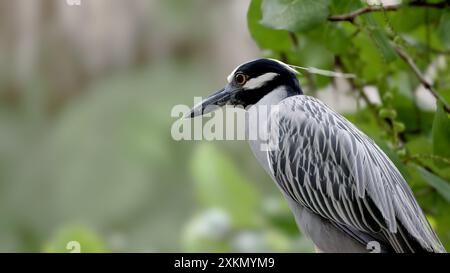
(329, 166)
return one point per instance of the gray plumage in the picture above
(347, 185)
(345, 193)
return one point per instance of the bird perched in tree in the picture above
(345, 193)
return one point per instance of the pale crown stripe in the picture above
(230, 77)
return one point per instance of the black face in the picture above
(261, 77)
(250, 82)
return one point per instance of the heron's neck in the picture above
(275, 96)
(256, 128)
(259, 113)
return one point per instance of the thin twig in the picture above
(350, 17)
(294, 39)
(408, 60)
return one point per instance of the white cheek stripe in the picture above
(259, 81)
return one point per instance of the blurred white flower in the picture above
(249, 241)
(210, 227)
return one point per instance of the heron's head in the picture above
(249, 83)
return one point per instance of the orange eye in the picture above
(240, 78)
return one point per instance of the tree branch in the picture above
(350, 17)
(408, 60)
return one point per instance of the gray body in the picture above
(395, 232)
(345, 193)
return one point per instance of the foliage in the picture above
(294, 15)
(231, 217)
(388, 48)
(75, 239)
(441, 133)
(87, 155)
(105, 163)
(219, 185)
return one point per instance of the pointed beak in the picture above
(211, 103)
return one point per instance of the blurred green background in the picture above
(86, 94)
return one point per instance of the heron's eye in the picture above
(240, 78)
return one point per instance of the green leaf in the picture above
(368, 65)
(337, 39)
(419, 145)
(403, 103)
(399, 126)
(341, 7)
(441, 186)
(379, 38)
(444, 29)
(312, 54)
(387, 113)
(416, 17)
(441, 132)
(294, 15)
(266, 38)
(219, 184)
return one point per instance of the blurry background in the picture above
(85, 147)
(86, 153)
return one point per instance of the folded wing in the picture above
(327, 165)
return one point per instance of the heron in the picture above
(345, 194)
